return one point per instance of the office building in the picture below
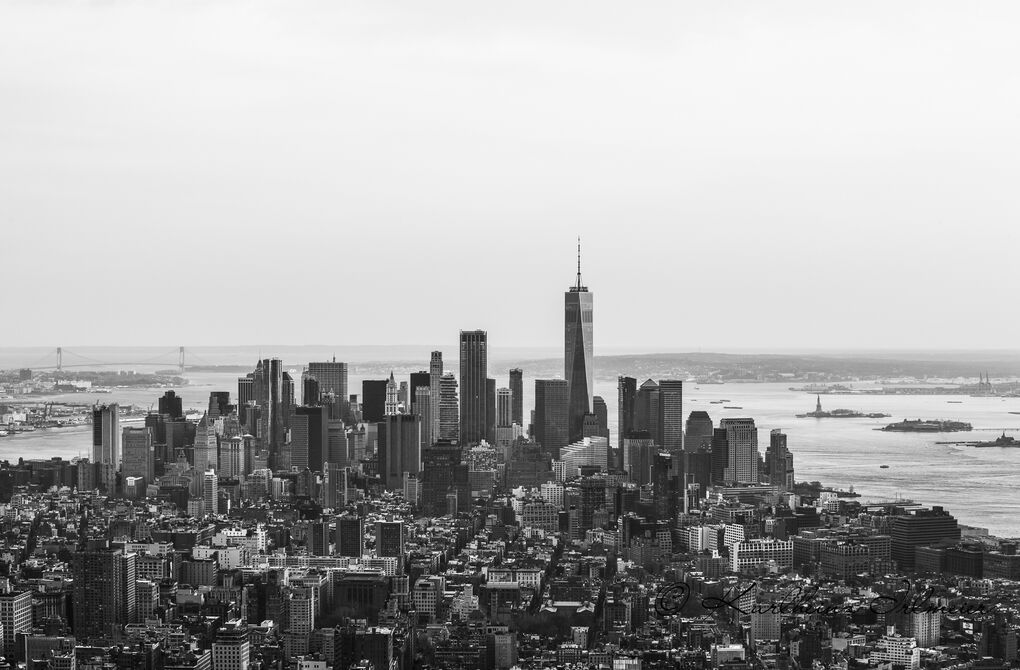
(919, 528)
(171, 405)
(104, 592)
(350, 535)
(106, 434)
(389, 539)
(646, 409)
(435, 377)
(423, 410)
(516, 397)
(578, 353)
(638, 450)
(552, 415)
(504, 407)
(490, 411)
(309, 437)
(742, 447)
(418, 379)
(138, 454)
(700, 429)
(332, 377)
(399, 449)
(232, 649)
(671, 415)
(393, 404)
(474, 365)
(15, 618)
(373, 400)
(779, 462)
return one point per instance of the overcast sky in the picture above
(743, 175)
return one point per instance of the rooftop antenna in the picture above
(578, 261)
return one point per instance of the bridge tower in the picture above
(180, 364)
(60, 358)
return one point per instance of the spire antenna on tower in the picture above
(578, 261)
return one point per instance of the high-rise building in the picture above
(551, 415)
(219, 404)
(638, 451)
(443, 472)
(171, 405)
(393, 403)
(206, 450)
(211, 492)
(504, 407)
(516, 397)
(490, 411)
(918, 528)
(232, 649)
(578, 353)
(15, 618)
(435, 375)
(273, 391)
(138, 454)
(420, 378)
(373, 400)
(309, 389)
(626, 393)
(423, 410)
(601, 412)
(474, 366)
(106, 434)
(312, 452)
(104, 593)
(389, 539)
(699, 428)
(671, 415)
(350, 535)
(332, 377)
(742, 443)
(449, 409)
(399, 449)
(646, 409)
(779, 462)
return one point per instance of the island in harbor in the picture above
(819, 413)
(928, 426)
(1007, 441)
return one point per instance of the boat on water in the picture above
(883, 466)
(731, 407)
(954, 402)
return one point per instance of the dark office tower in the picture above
(287, 399)
(578, 352)
(269, 391)
(626, 394)
(443, 472)
(504, 407)
(671, 415)
(699, 428)
(449, 409)
(551, 414)
(138, 454)
(399, 449)
(420, 378)
(106, 434)
(103, 602)
(638, 450)
(646, 409)
(601, 413)
(517, 396)
(474, 366)
(720, 455)
(389, 539)
(314, 421)
(245, 396)
(490, 411)
(172, 405)
(918, 528)
(219, 404)
(332, 377)
(698, 467)
(664, 480)
(373, 400)
(309, 389)
(435, 377)
(779, 462)
(742, 443)
(350, 535)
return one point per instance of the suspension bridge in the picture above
(60, 359)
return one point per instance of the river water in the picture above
(978, 485)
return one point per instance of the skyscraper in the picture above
(779, 461)
(435, 375)
(742, 441)
(490, 411)
(578, 352)
(231, 649)
(373, 400)
(106, 434)
(389, 539)
(15, 618)
(671, 415)
(350, 535)
(646, 409)
(392, 405)
(104, 593)
(172, 405)
(626, 393)
(138, 454)
(551, 414)
(313, 451)
(517, 396)
(420, 378)
(423, 410)
(504, 407)
(449, 409)
(399, 449)
(332, 377)
(474, 365)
